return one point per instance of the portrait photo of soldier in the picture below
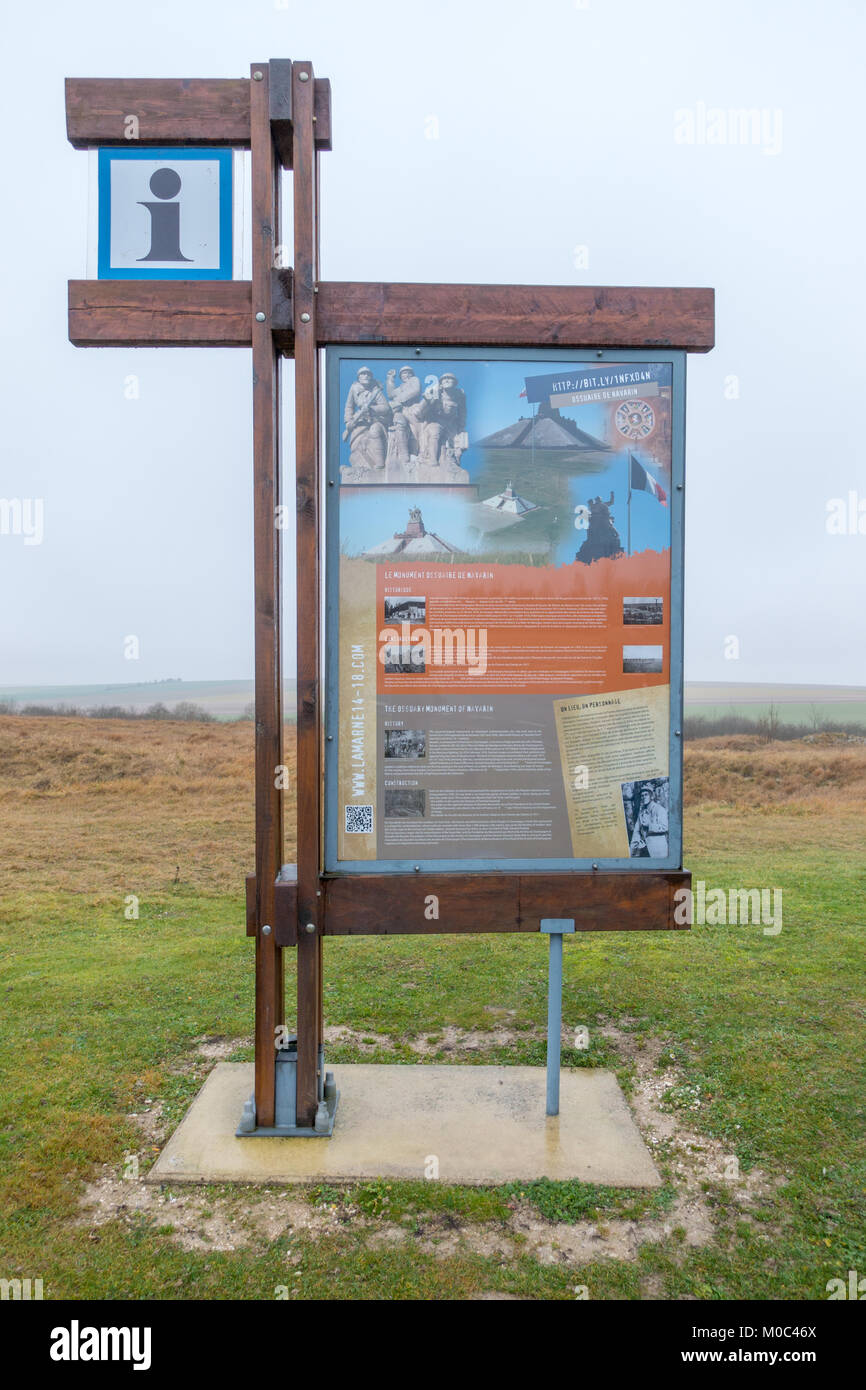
(645, 806)
(367, 418)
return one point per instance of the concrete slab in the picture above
(483, 1124)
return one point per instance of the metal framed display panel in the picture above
(503, 527)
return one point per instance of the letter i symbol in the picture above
(164, 218)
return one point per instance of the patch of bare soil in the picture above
(201, 1220)
(452, 1039)
(448, 1039)
(363, 1040)
(218, 1048)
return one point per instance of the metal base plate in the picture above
(285, 1098)
(293, 1131)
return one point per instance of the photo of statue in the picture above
(404, 433)
(367, 418)
(443, 415)
(602, 537)
(405, 399)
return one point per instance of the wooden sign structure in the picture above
(282, 114)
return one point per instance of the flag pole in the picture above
(628, 500)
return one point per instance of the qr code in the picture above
(359, 820)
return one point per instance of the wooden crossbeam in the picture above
(516, 315)
(173, 111)
(397, 905)
(168, 110)
(386, 904)
(160, 313)
(191, 313)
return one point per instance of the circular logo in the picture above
(635, 419)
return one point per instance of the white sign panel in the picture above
(165, 214)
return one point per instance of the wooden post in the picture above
(307, 462)
(269, 704)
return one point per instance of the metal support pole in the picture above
(556, 926)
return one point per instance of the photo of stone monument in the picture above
(415, 543)
(402, 432)
(602, 538)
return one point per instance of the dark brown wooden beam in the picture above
(385, 905)
(280, 107)
(322, 112)
(171, 110)
(250, 886)
(181, 111)
(399, 905)
(515, 315)
(194, 313)
(285, 906)
(308, 588)
(282, 313)
(267, 585)
(160, 313)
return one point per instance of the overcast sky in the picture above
(559, 125)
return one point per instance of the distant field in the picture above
(797, 704)
(222, 699)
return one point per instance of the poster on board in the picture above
(504, 610)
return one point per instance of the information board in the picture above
(504, 609)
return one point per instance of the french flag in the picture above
(642, 481)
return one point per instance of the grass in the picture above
(101, 1016)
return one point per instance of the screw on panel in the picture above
(260, 317)
(310, 927)
(303, 77)
(266, 931)
(257, 76)
(305, 318)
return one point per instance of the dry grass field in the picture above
(108, 807)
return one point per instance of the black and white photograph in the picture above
(405, 803)
(405, 610)
(404, 659)
(644, 611)
(642, 660)
(405, 743)
(645, 807)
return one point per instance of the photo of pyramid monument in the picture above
(415, 543)
(525, 478)
(510, 503)
(548, 431)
